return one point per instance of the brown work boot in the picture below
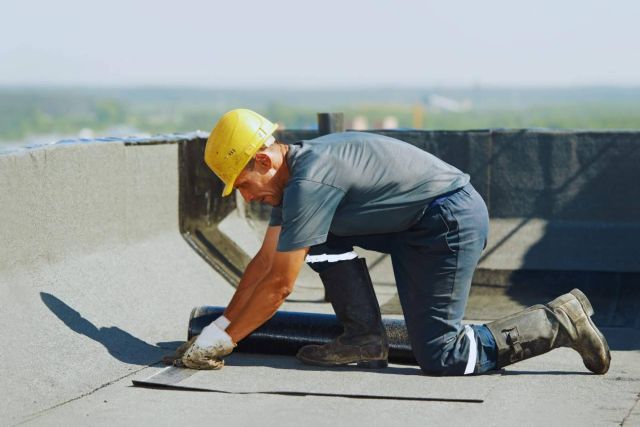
(564, 322)
(366, 352)
(364, 341)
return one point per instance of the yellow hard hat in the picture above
(237, 137)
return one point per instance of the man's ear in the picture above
(263, 162)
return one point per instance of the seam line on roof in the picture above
(42, 412)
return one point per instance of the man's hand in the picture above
(174, 359)
(208, 349)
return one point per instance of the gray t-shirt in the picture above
(356, 183)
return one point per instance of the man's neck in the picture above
(282, 174)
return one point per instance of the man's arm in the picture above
(257, 269)
(269, 294)
(265, 284)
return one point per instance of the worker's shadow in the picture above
(120, 344)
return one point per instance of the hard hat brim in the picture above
(228, 189)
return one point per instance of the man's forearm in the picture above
(267, 297)
(255, 272)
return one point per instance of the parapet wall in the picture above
(571, 195)
(564, 208)
(557, 200)
(96, 281)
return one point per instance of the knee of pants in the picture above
(432, 366)
(440, 357)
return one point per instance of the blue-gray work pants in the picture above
(433, 264)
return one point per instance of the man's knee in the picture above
(444, 356)
(435, 367)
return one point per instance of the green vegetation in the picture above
(25, 112)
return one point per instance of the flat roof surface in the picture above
(553, 389)
(95, 295)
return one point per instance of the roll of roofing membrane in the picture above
(287, 331)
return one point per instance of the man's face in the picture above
(256, 184)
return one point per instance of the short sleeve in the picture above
(276, 216)
(308, 208)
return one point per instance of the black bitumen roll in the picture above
(287, 331)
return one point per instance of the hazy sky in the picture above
(287, 43)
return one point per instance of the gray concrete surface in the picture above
(93, 270)
(96, 284)
(550, 390)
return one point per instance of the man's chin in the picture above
(270, 202)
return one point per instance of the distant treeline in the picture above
(33, 111)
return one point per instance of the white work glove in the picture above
(222, 322)
(209, 347)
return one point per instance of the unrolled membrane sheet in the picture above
(245, 374)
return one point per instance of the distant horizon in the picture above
(109, 110)
(315, 88)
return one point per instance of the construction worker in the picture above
(351, 189)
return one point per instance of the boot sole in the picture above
(366, 364)
(373, 364)
(588, 308)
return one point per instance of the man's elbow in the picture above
(263, 260)
(283, 287)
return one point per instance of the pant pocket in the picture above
(450, 224)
